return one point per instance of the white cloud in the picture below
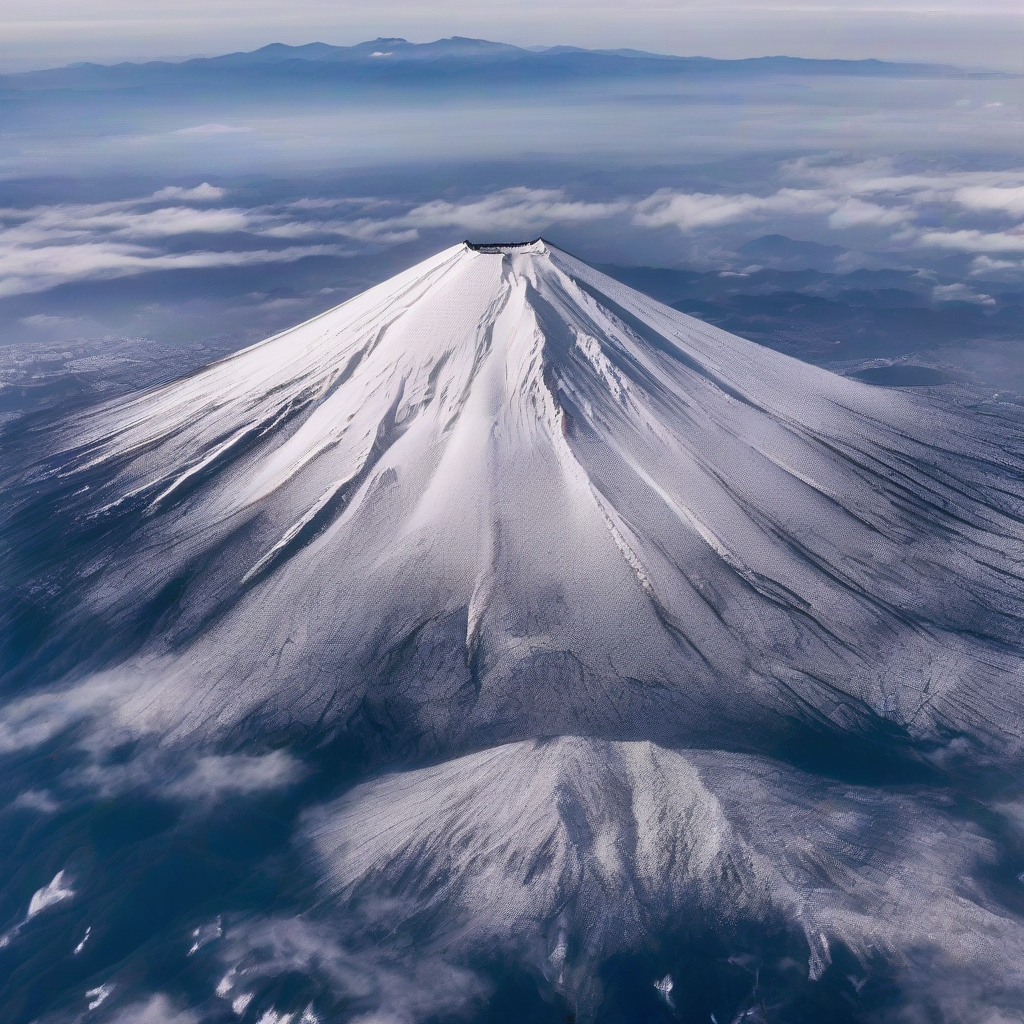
(56, 891)
(509, 209)
(33, 720)
(43, 225)
(987, 265)
(98, 707)
(156, 1010)
(992, 197)
(685, 211)
(36, 800)
(167, 221)
(42, 321)
(202, 779)
(319, 203)
(692, 211)
(512, 210)
(995, 191)
(689, 211)
(44, 246)
(201, 193)
(854, 213)
(379, 232)
(973, 240)
(961, 293)
(217, 776)
(880, 176)
(874, 192)
(379, 986)
(35, 269)
(98, 996)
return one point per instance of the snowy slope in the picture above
(570, 850)
(502, 496)
(573, 579)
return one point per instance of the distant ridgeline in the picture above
(451, 62)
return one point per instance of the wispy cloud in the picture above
(44, 246)
(960, 292)
(59, 264)
(992, 197)
(36, 800)
(866, 194)
(202, 780)
(510, 209)
(204, 192)
(213, 129)
(972, 240)
(95, 709)
(507, 210)
(986, 265)
(156, 1010)
(57, 890)
(881, 176)
(215, 776)
(190, 227)
(689, 211)
(855, 213)
(376, 983)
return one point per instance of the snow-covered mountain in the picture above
(628, 629)
(501, 496)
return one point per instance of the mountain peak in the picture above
(513, 447)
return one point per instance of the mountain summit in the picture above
(502, 496)
(628, 628)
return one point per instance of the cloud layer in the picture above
(178, 227)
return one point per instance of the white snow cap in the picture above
(592, 508)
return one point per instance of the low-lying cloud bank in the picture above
(977, 211)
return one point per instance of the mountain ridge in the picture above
(458, 56)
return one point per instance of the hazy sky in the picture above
(968, 32)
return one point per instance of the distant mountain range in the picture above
(453, 61)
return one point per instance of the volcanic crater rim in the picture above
(535, 246)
